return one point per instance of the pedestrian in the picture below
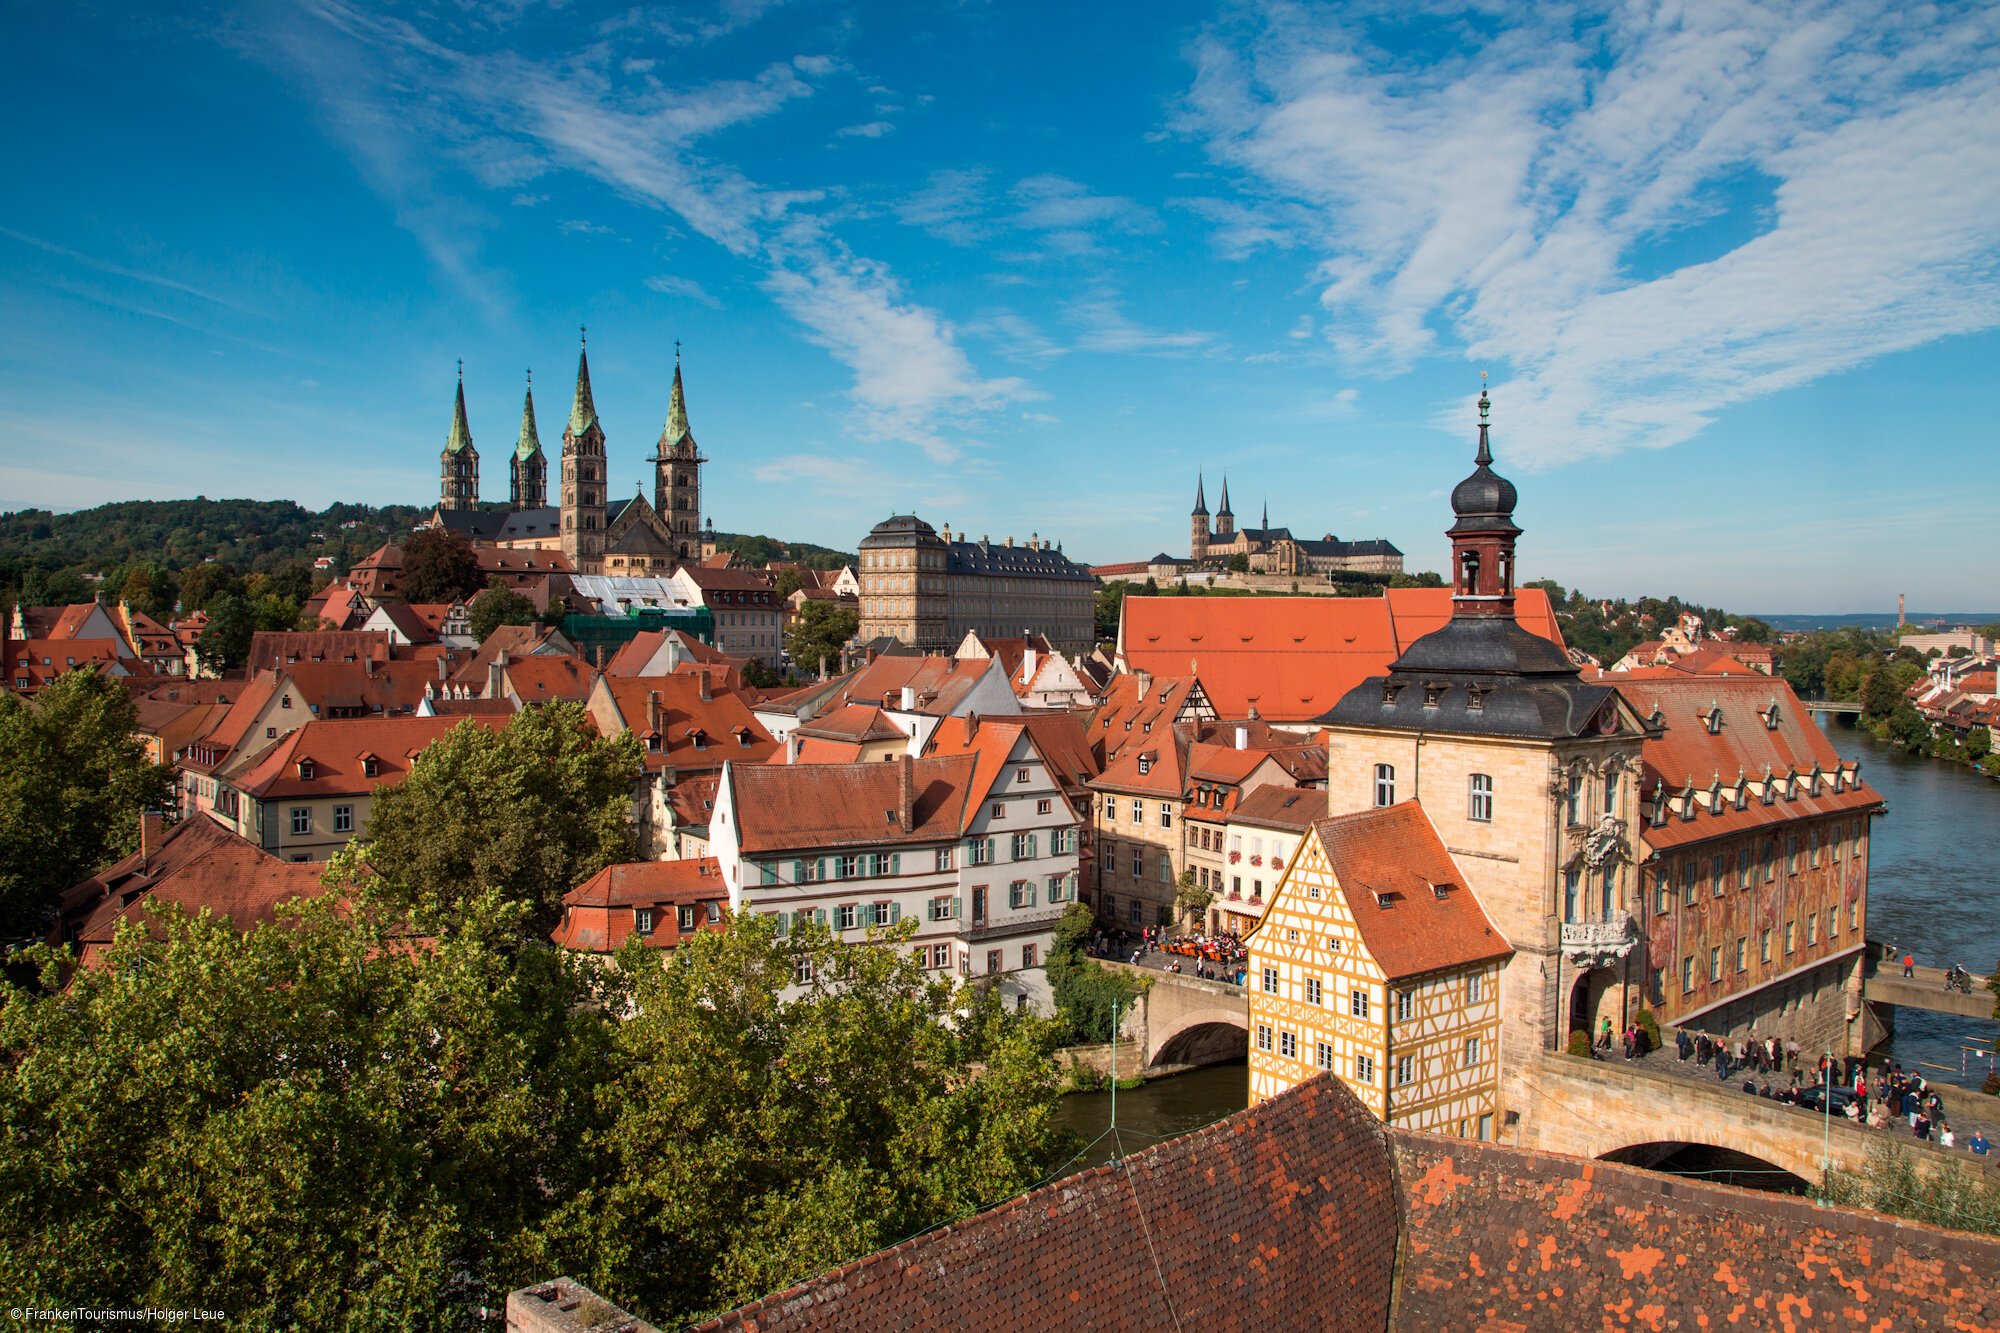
(1946, 1139)
(1978, 1144)
(1909, 965)
(1681, 1044)
(1604, 1035)
(1920, 1126)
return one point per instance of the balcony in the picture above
(1007, 922)
(1598, 943)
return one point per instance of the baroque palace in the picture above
(599, 535)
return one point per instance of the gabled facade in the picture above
(1374, 961)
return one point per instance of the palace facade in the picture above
(929, 591)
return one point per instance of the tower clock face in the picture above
(1607, 719)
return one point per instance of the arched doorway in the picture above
(1592, 999)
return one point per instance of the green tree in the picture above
(823, 628)
(152, 589)
(1239, 563)
(1879, 694)
(1423, 578)
(1110, 601)
(306, 1126)
(498, 605)
(204, 583)
(1190, 898)
(788, 581)
(530, 810)
(225, 641)
(439, 565)
(1087, 995)
(73, 782)
(758, 1137)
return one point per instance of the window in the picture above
(1111, 809)
(1406, 1005)
(1138, 863)
(371, 767)
(1166, 814)
(1715, 962)
(1138, 811)
(943, 907)
(1610, 792)
(993, 962)
(642, 920)
(1041, 807)
(1770, 855)
(1742, 867)
(1288, 1045)
(802, 972)
(982, 851)
(1024, 846)
(1166, 868)
(1764, 946)
(1385, 784)
(844, 916)
(1718, 873)
(1323, 1054)
(1020, 775)
(1812, 929)
(1475, 988)
(1137, 912)
(944, 858)
(1832, 921)
(1687, 882)
(846, 867)
(1270, 981)
(767, 873)
(302, 820)
(884, 914)
(1572, 877)
(1021, 893)
(1263, 1036)
(1486, 1127)
(1663, 892)
(1812, 847)
(1479, 799)
(1854, 915)
(1687, 974)
(343, 819)
(1472, 1052)
(1312, 990)
(1573, 800)
(1357, 1003)
(1364, 1069)
(999, 809)
(1658, 985)
(940, 957)
(1027, 955)
(1789, 939)
(1406, 1070)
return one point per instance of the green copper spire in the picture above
(530, 442)
(676, 429)
(461, 433)
(582, 411)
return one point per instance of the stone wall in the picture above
(1502, 1239)
(563, 1306)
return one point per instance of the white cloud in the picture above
(949, 206)
(1533, 202)
(1105, 327)
(669, 285)
(1073, 219)
(583, 227)
(874, 129)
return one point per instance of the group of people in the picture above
(1890, 1094)
(1635, 1039)
(1210, 957)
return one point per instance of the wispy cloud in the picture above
(1105, 327)
(584, 227)
(950, 206)
(1072, 218)
(1506, 202)
(122, 271)
(667, 284)
(874, 129)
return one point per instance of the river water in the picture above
(1933, 889)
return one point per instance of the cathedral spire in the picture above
(461, 433)
(1225, 510)
(1200, 500)
(1267, 516)
(1485, 456)
(582, 409)
(676, 429)
(530, 442)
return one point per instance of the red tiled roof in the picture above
(1060, 738)
(199, 865)
(711, 579)
(693, 798)
(336, 686)
(1386, 863)
(518, 641)
(855, 722)
(335, 752)
(548, 677)
(231, 728)
(722, 721)
(1162, 756)
(636, 656)
(270, 649)
(598, 913)
(411, 622)
(940, 683)
(802, 807)
(1292, 658)
(32, 664)
(1292, 808)
(1126, 717)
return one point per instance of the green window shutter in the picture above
(768, 872)
(957, 908)
(895, 863)
(989, 849)
(798, 872)
(867, 915)
(819, 915)
(1031, 846)
(895, 913)
(821, 872)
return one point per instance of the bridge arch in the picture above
(1713, 1163)
(1203, 1043)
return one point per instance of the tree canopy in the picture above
(439, 566)
(73, 782)
(311, 1126)
(498, 605)
(530, 810)
(822, 629)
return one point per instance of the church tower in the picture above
(677, 474)
(1482, 540)
(1198, 524)
(583, 477)
(529, 483)
(458, 463)
(1225, 518)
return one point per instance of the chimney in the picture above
(1145, 679)
(702, 676)
(1010, 541)
(152, 829)
(909, 700)
(653, 711)
(1243, 738)
(971, 725)
(906, 797)
(1028, 665)
(792, 746)
(1034, 541)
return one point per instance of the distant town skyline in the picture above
(1731, 271)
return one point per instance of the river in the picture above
(1933, 888)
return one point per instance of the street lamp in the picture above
(1826, 1136)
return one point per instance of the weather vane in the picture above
(583, 334)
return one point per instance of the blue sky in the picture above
(1027, 267)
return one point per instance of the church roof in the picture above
(1200, 500)
(675, 437)
(640, 539)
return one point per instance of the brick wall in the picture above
(1500, 1238)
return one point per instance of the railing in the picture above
(1004, 922)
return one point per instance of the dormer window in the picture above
(1145, 764)
(1440, 891)
(1475, 698)
(1389, 689)
(1715, 799)
(642, 920)
(1770, 790)
(1712, 719)
(307, 770)
(371, 767)
(1771, 717)
(1742, 794)
(1432, 693)
(1687, 806)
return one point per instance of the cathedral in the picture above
(1270, 550)
(599, 535)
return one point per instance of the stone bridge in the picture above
(1552, 1102)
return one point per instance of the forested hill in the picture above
(1608, 628)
